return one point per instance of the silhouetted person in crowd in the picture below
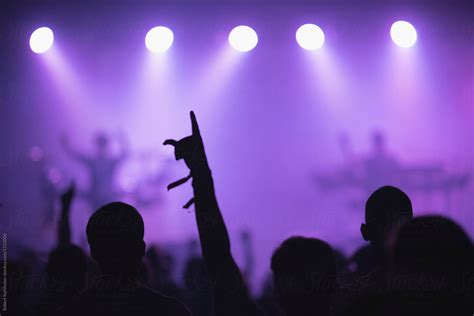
(386, 209)
(230, 291)
(66, 268)
(115, 234)
(434, 266)
(102, 167)
(304, 273)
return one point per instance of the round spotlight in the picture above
(41, 40)
(310, 37)
(159, 39)
(243, 38)
(403, 34)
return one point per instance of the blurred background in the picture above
(297, 139)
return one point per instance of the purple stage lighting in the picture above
(310, 37)
(41, 40)
(243, 38)
(403, 34)
(159, 39)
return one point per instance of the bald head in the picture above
(386, 205)
(386, 209)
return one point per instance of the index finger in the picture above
(194, 125)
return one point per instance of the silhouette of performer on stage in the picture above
(380, 167)
(368, 173)
(101, 167)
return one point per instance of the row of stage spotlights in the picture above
(242, 38)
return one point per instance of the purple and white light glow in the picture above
(41, 40)
(403, 34)
(270, 119)
(310, 37)
(159, 39)
(243, 38)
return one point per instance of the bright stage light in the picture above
(41, 40)
(243, 38)
(403, 34)
(310, 37)
(159, 39)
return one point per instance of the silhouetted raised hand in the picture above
(66, 266)
(64, 230)
(68, 195)
(191, 150)
(230, 293)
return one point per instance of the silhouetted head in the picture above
(66, 270)
(115, 235)
(386, 210)
(433, 244)
(101, 142)
(434, 262)
(303, 274)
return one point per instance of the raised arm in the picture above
(64, 230)
(246, 239)
(230, 292)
